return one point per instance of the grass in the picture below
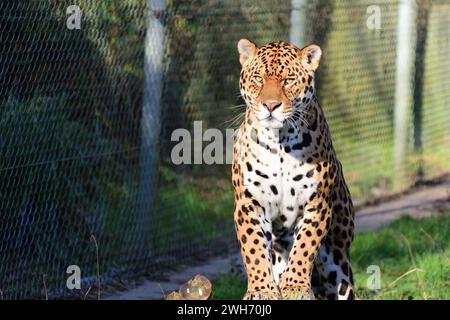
(412, 255)
(228, 287)
(182, 202)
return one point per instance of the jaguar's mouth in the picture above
(271, 122)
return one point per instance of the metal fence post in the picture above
(151, 109)
(297, 33)
(423, 12)
(403, 85)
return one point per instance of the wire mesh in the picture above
(77, 171)
(71, 103)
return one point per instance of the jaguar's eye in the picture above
(258, 80)
(288, 81)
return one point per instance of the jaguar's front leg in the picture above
(254, 232)
(309, 231)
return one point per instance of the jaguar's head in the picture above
(277, 80)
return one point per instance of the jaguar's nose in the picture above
(271, 105)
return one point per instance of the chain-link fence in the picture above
(86, 174)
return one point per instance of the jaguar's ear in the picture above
(247, 50)
(310, 56)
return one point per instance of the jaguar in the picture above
(294, 216)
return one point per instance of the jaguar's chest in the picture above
(279, 171)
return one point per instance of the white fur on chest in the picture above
(282, 182)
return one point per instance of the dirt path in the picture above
(417, 204)
(421, 202)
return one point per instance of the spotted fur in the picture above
(294, 215)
